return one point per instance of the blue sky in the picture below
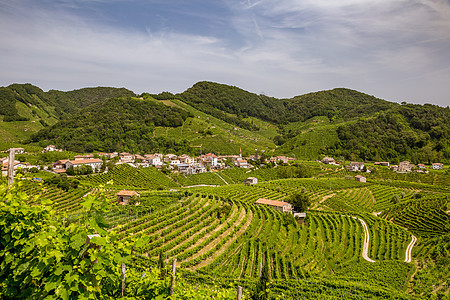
(397, 50)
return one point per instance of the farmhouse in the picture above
(241, 163)
(126, 157)
(405, 166)
(94, 163)
(360, 178)
(356, 166)
(123, 197)
(437, 166)
(251, 180)
(51, 148)
(277, 205)
(328, 160)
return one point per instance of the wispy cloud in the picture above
(394, 49)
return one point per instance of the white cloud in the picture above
(396, 50)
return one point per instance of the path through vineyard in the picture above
(408, 256)
(366, 241)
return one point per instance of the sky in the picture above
(398, 50)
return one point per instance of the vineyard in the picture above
(357, 240)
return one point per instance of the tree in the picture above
(300, 201)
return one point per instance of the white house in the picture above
(51, 148)
(360, 178)
(251, 181)
(95, 163)
(437, 166)
(356, 166)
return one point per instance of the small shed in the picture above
(360, 178)
(251, 180)
(123, 197)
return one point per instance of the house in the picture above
(405, 166)
(360, 178)
(126, 157)
(384, 163)
(241, 163)
(17, 165)
(153, 159)
(169, 158)
(283, 159)
(123, 197)
(186, 159)
(277, 205)
(251, 181)
(356, 166)
(60, 164)
(328, 160)
(437, 166)
(94, 163)
(209, 159)
(51, 148)
(421, 166)
(183, 168)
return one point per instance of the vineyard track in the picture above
(324, 198)
(221, 178)
(365, 250)
(228, 243)
(408, 256)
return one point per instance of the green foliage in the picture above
(294, 171)
(413, 132)
(300, 201)
(118, 124)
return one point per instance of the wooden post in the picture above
(239, 293)
(11, 168)
(172, 284)
(123, 279)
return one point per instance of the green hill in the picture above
(116, 124)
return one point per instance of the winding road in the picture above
(408, 256)
(365, 250)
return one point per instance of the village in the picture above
(187, 165)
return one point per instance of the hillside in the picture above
(124, 124)
(223, 119)
(25, 109)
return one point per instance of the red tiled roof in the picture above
(126, 193)
(271, 202)
(85, 161)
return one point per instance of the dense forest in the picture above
(58, 104)
(117, 124)
(415, 132)
(219, 99)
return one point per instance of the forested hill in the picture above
(115, 124)
(22, 102)
(219, 99)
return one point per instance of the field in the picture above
(357, 241)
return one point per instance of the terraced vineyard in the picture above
(126, 176)
(219, 232)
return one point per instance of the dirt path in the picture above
(408, 256)
(323, 200)
(221, 178)
(365, 251)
